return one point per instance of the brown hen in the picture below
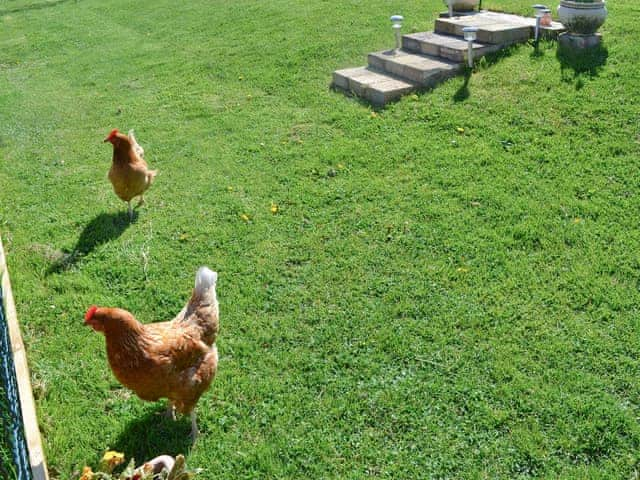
(129, 173)
(176, 359)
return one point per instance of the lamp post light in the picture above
(396, 21)
(470, 36)
(539, 9)
(450, 5)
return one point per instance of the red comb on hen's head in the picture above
(90, 313)
(112, 135)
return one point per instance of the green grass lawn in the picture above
(426, 303)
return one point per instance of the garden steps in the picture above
(429, 58)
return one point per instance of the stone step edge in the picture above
(507, 36)
(414, 70)
(443, 24)
(413, 43)
(376, 86)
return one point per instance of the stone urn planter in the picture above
(462, 5)
(582, 17)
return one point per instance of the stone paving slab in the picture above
(445, 46)
(552, 30)
(425, 70)
(372, 85)
(497, 27)
(490, 29)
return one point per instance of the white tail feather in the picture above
(136, 147)
(205, 279)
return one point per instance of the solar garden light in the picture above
(450, 5)
(539, 14)
(396, 20)
(470, 36)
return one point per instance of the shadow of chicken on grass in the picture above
(102, 229)
(152, 435)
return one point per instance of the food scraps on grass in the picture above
(110, 460)
(163, 467)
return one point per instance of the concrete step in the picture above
(377, 87)
(551, 31)
(497, 31)
(496, 28)
(445, 46)
(423, 70)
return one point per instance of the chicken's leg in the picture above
(171, 411)
(130, 210)
(194, 426)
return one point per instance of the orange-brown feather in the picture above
(166, 359)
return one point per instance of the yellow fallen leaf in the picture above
(577, 220)
(460, 130)
(463, 269)
(374, 115)
(274, 208)
(244, 217)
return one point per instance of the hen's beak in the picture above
(96, 326)
(113, 135)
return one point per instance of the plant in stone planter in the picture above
(582, 17)
(462, 5)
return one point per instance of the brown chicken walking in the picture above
(176, 359)
(129, 173)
